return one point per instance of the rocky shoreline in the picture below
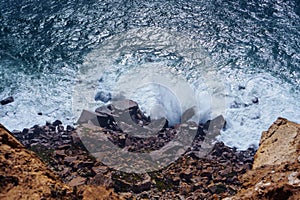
(202, 171)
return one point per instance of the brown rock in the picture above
(77, 181)
(281, 143)
(24, 176)
(98, 193)
(276, 171)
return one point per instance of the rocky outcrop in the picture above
(280, 144)
(276, 168)
(24, 176)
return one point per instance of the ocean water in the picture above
(239, 59)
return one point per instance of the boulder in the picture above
(94, 118)
(7, 100)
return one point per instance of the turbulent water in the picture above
(240, 59)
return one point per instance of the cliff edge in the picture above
(24, 176)
(276, 169)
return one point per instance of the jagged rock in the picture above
(77, 181)
(94, 118)
(281, 143)
(24, 175)
(131, 182)
(276, 169)
(125, 104)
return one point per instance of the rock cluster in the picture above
(76, 168)
(201, 172)
(24, 176)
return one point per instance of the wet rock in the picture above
(56, 123)
(7, 100)
(255, 100)
(103, 96)
(188, 114)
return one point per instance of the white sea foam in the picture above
(49, 95)
(166, 73)
(163, 89)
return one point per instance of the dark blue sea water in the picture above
(51, 51)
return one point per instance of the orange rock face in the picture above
(24, 176)
(281, 143)
(276, 169)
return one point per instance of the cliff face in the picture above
(276, 168)
(275, 173)
(24, 176)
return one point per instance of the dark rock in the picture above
(125, 105)
(38, 130)
(132, 182)
(217, 189)
(16, 132)
(255, 100)
(57, 122)
(95, 118)
(187, 175)
(7, 100)
(103, 96)
(25, 131)
(60, 128)
(241, 87)
(39, 113)
(70, 128)
(188, 114)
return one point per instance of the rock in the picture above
(275, 172)
(97, 193)
(124, 105)
(281, 143)
(255, 100)
(188, 114)
(215, 126)
(24, 176)
(7, 100)
(104, 110)
(77, 181)
(103, 96)
(131, 182)
(56, 123)
(70, 128)
(186, 175)
(94, 118)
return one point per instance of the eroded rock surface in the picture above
(276, 168)
(24, 176)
